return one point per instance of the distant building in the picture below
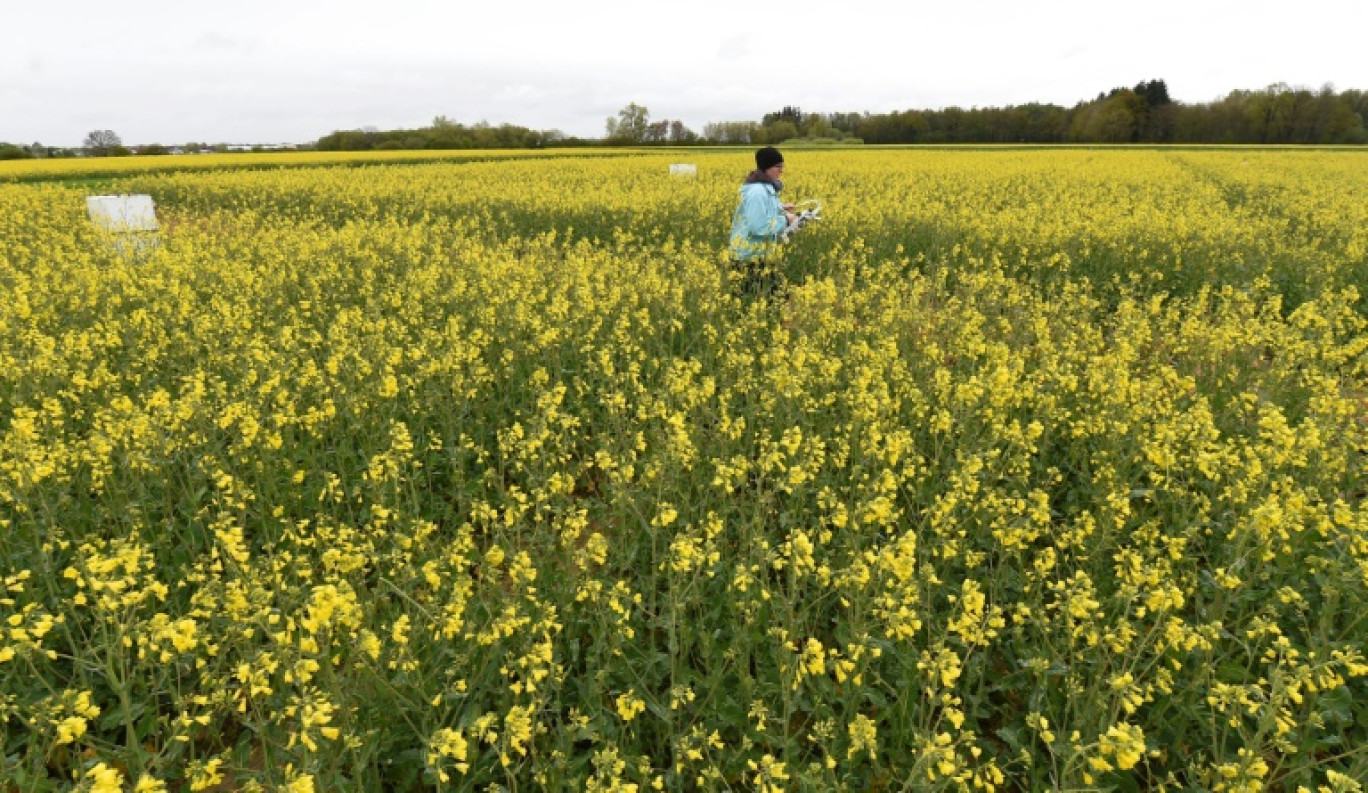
(261, 146)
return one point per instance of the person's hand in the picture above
(790, 217)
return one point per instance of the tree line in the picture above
(107, 143)
(446, 134)
(1144, 113)
(1278, 114)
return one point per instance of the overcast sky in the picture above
(252, 71)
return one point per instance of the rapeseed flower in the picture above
(470, 459)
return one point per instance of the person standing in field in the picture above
(759, 219)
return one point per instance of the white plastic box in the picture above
(130, 221)
(122, 213)
(684, 169)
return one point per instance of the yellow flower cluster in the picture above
(1045, 469)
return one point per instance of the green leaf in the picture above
(1337, 706)
(1012, 736)
(114, 718)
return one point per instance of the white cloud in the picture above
(273, 71)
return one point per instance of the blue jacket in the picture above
(758, 220)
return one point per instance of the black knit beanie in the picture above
(767, 158)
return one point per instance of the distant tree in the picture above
(656, 132)
(153, 148)
(630, 125)
(910, 126)
(948, 125)
(816, 126)
(1043, 123)
(732, 132)
(848, 123)
(1349, 119)
(780, 130)
(444, 133)
(1278, 114)
(486, 137)
(343, 140)
(790, 114)
(1155, 93)
(1146, 113)
(8, 151)
(1155, 113)
(680, 133)
(1114, 119)
(1357, 102)
(102, 142)
(37, 149)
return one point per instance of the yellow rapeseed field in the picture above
(39, 170)
(1045, 470)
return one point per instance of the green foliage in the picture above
(800, 142)
(443, 134)
(631, 125)
(1144, 114)
(1155, 93)
(1115, 119)
(790, 114)
(104, 143)
(781, 130)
